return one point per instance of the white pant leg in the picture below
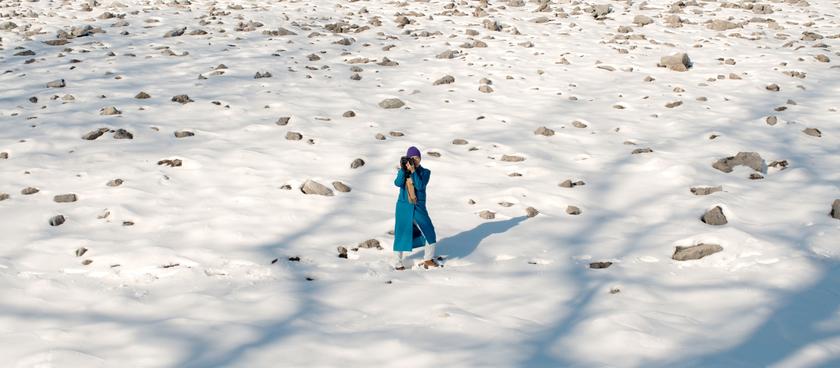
(428, 252)
(399, 260)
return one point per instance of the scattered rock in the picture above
(568, 183)
(772, 87)
(721, 25)
(369, 244)
(750, 159)
(447, 79)
(4, 155)
(123, 134)
(348, 114)
(183, 134)
(781, 165)
(642, 20)
(115, 183)
(294, 136)
(59, 83)
(313, 187)
(544, 131)
(175, 32)
(706, 190)
(57, 220)
(110, 110)
(531, 212)
(835, 209)
(341, 187)
(95, 134)
(282, 121)
(448, 54)
(142, 96)
(573, 210)
(599, 11)
(641, 150)
(814, 132)
(822, 58)
(357, 163)
(678, 62)
(714, 216)
(65, 198)
(29, 191)
(771, 120)
(673, 104)
(485, 88)
(459, 141)
(4, 196)
(695, 251)
(342, 252)
(391, 103)
(262, 75)
(512, 158)
(600, 265)
(487, 215)
(182, 99)
(80, 251)
(171, 163)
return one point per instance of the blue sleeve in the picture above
(420, 181)
(400, 180)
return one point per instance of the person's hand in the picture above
(410, 166)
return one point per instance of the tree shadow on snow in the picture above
(464, 243)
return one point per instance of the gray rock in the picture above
(341, 187)
(283, 120)
(721, 25)
(531, 212)
(673, 104)
(642, 20)
(773, 87)
(380, 136)
(342, 252)
(772, 120)
(348, 114)
(814, 132)
(110, 110)
(695, 251)
(8, 25)
(93, 134)
(599, 11)
(578, 124)
(294, 136)
(568, 183)
(835, 209)
(175, 32)
(171, 163)
(183, 134)
(65, 198)
(544, 131)
(446, 79)
(262, 75)
(750, 159)
(313, 187)
(391, 103)
(357, 163)
(573, 210)
(706, 190)
(600, 265)
(142, 96)
(4, 155)
(512, 158)
(678, 62)
(369, 244)
(448, 54)
(29, 191)
(81, 251)
(57, 220)
(485, 88)
(123, 134)
(115, 183)
(714, 216)
(182, 99)
(58, 83)
(4, 196)
(487, 215)
(641, 150)
(459, 141)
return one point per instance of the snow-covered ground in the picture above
(178, 267)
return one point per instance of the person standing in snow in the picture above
(412, 227)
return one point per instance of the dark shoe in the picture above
(429, 263)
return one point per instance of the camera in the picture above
(404, 161)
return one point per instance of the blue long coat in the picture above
(413, 227)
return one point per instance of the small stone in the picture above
(4, 196)
(110, 110)
(642, 20)
(175, 32)
(81, 251)
(721, 25)
(822, 58)
(87, 262)
(4, 155)
(714, 216)
(695, 252)
(600, 265)
(772, 87)
(447, 79)
(512, 158)
(95, 134)
(294, 136)
(182, 99)
(170, 163)
(341, 187)
(115, 183)
(123, 134)
(396, 134)
(262, 75)
(342, 252)
(65, 198)
(485, 88)
(142, 96)
(641, 150)
(578, 124)
(568, 183)
(57, 220)
(706, 190)
(433, 153)
(391, 103)
(750, 159)
(369, 244)
(183, 133)
(544, 131)
(380, 136)
(357, 163)
(448, 54)
(673, 104)
(678, 62)
(756, 176)
(814, 132)
(348, 114)
(771, 120)
(128, 223)
(312, 187)
(487, 215)
(781, 165)
(531, 212)
(29, 191)
(573, 210)
(835, 209)
(459, 141)
(59, 83)
(282, 121)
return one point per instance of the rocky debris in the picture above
(282, 121)
(835, 209)
(448, 54)
(104, 214)
(57, 220)
(568, 183)
(4, 155)
(822, 58)
(679, 62)
(641, 150)
(531, 212)
(370, 244)
(721, 25)
(814, 132)
(673, 104)
(600, 265)
(512, 158)
(342, 252)
(755, 176)
(810, 36)
(183, 134)
(142, 96)
(642, 20)
(357, 163)
(294, 136)
(599, 11)
(573, 210)
(379, 136)
(115, 183)
(714, 216)
(175, 32)
(4, 196)
(773, 87)
(262, 75)
(544, 131)
(492, 25)
(110, 110)
(695, 251)
(29, 190)
(446, 79)
(391, 103)
(750, 159)
(171, 163)
(459, 141)
(8, 26)
(341, 187)
(313, 187)
(80, 251)
(65, 198)
(706, 190)
(348, 114)
(123, 134)
(58, 83)
(396, 134)
(578, 124)
(781, 165)
(487, 215)
(87, 262)
(280, 31)
(771, 120)
(485, 88)
(93, 134)
(182, 99)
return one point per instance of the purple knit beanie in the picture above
(412, 151)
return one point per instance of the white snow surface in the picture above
(192, 284)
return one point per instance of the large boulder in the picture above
(750, 159)
(714, 216)
(313, 187)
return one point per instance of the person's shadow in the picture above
(464, 243)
